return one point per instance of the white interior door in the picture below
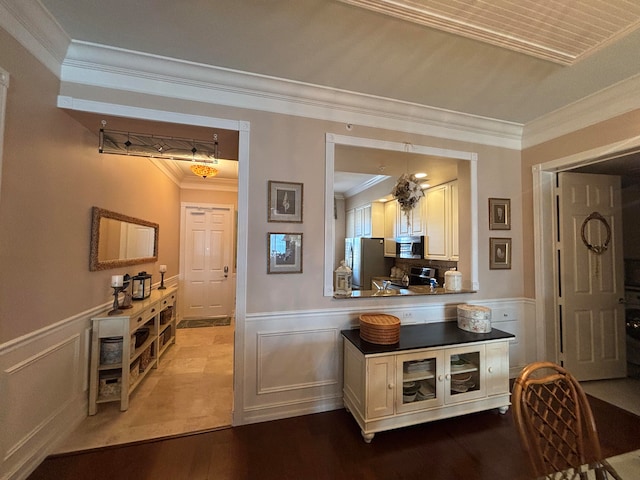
(591, 285)
(208, 254)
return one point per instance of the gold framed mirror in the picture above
(118, 240)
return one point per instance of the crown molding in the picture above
(36, 30)
(102, 66)
(113, 68)
(366, 185)
(608, 103)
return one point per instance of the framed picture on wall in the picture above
(499, 214)
(499, 253)
(285, 202)
(284, 252)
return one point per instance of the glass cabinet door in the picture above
(417, 385)
(464, 375)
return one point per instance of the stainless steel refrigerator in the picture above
(365, 257)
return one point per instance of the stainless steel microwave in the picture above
(410, 247)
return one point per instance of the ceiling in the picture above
(515, 61)
(561, 31)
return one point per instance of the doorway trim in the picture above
(331, 140)
(544, 231)
(243, 128)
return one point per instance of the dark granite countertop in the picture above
(424, 335)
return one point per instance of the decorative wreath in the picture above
(597, 249)
(407, 192)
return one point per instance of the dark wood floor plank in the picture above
(328, 446)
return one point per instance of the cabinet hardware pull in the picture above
(139, 319)
(447, 376)
(490, 369)
(390, 386)
(440, 378)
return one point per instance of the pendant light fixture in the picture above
(203, 168)
(202, 154)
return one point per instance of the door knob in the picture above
(226, 271)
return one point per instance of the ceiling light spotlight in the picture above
(420, 175)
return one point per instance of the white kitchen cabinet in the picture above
(414, 225)
(113, 375)
(350, 220)
(390, 223)
(365, 221)
(441, 222)
(425, 377)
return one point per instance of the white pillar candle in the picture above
(117, 280)
(163, 268)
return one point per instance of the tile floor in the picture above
(621, 392)
(191, 390)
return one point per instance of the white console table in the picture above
(125, 375)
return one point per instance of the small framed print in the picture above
(499, 214)
(499, 253)
(285, 202)
(284, 252)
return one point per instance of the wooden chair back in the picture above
(554, 419)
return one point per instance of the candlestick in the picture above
(116, 307)
(162, 287)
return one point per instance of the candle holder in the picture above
(127, 296)
(161, 287)
(116, 307)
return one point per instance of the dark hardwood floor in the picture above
(329, 446)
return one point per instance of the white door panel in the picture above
(208, 255)
(591, 284)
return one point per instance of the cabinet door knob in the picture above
(447, 376)
(440, 378)
(390, 386)
(490, 369)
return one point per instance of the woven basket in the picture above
(134, 372)
(380, 328)
(145, 358)
(109, 385)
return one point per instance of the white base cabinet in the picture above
(117, 365)
(436, 371)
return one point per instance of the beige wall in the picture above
(289, 148)
(604, 133)
(52, 175)
(72, 177)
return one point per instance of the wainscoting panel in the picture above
(293, 360)
(296, 360)
(42, 393)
